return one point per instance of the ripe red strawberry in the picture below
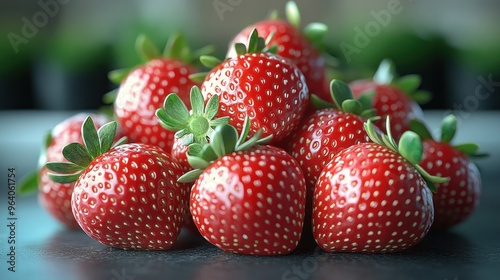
(455, 200)
(371, 197)
(263, 86)
(301, 47)
(126, 196)
(144, 89)
(327, 131)
(396, 98)
(54, 197)
(248, 199)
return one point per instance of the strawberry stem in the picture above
(292, 14)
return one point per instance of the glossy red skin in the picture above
(390, 101)
(251, 202)
(143, 91)
(355, 210)
(321, 136)
(456, 199)
(54, 197)
(267, 88)
(292, 44)
(129, 198)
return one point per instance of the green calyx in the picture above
(192, 126)
(224, 139)
(409, 146)
(176, 47)
(343, 99)
(448, 131)
(96, 142)
(256, 44)
(386, 74)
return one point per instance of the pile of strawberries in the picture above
(257, 153)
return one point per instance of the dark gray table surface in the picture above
(45, 250)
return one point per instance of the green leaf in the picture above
(431, 186)
(250, 142)
(388, 129)
(292, 14)
(253, 42)
(107, 134)
(244, 132)
(146, 48)
(63, 167)
(385, 73)
(340, 92)
(120, 141)
(352, 106)
(467, 148)
(28, 184)
(198, 77)
(197, 101)
(209, 61)
(118, 75)
(372, 132)
(77, 154)
(316, 31)
(366, 99)
(190, 176)
(240, 48)
(176, 46)
(205, 50)
(410, 147)
(448, 128)
(110, 97)
(90, 137)
(176, 109)
(197, 162)
(421, 96)
(420, 128)
(409, 83)
(64, 178)
(319, 103)
(212, 107)
(224, 139)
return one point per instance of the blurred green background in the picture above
(55, 54)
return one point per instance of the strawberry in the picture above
(373, 197)
(304, 48)
(54, 197)
(145, 87)
(396, 98)
(247, 198)
(190, 126)
(455, 200)
(126, 196)
(266, 87)
(324, 133)
(327, 131)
